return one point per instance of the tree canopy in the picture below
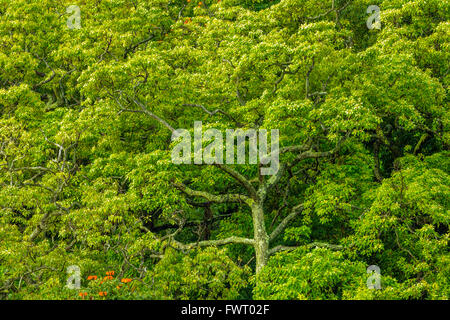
(87, 115)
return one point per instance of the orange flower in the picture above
(92, 277)
(108, 277)
(109, 273)
(126, 280)
(82, 294)
(103, 293)
(118, 287)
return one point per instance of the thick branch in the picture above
(239, 198)
(211, 113)
(309, 154)
(152, 115)
(49, 79)
(240, 178)
(419, 144)
(283, 224)
(208, 243)
(311, 67)
(132, 48)
(310, 245)
(295, 148)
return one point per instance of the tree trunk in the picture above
(260, 236)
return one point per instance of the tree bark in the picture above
(261, 237)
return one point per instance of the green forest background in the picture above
(86, 177)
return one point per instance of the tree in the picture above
(87, 117)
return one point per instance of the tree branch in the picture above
(219, 242)
(132, 48)
(239, 198)
(310, 246)
(49, 79)
(151, 114)
(211, 113)
(311, 67)
(240, 178)
(283, 224)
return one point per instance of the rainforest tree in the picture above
(88, 113)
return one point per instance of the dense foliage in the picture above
(86, 176)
